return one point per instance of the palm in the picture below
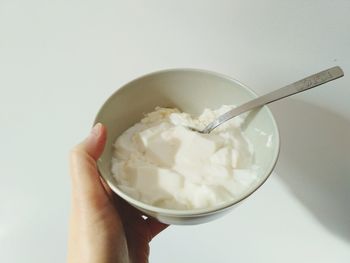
(138, 231)
(103, 227)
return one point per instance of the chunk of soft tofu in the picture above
(170, 181)
(161, 151)
(157, 148)
(244, 176)
(222, 157)
(143, 138)
(200, 195)
(194, 147)
(216, 174)
(146, 178)
(156, 183)
(124, 145)
(233, 187)
(118, 168)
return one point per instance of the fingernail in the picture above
(96, 130)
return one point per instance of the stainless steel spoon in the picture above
(296, 87)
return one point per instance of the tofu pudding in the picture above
(161, 162)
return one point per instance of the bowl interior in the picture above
(191, 91)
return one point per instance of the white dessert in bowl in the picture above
(161, 162)
(191, 91)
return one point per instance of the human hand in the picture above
(103, 227)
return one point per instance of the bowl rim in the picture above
(201, 211)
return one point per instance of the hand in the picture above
(103, 227)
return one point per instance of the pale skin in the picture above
(103, 228)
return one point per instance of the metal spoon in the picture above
(296, 87)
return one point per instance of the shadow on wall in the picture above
(315, 161)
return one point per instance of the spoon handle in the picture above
(294, 88)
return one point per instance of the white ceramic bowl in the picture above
(191, 91)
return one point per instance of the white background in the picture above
(60, 60)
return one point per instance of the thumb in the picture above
(86, 182)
